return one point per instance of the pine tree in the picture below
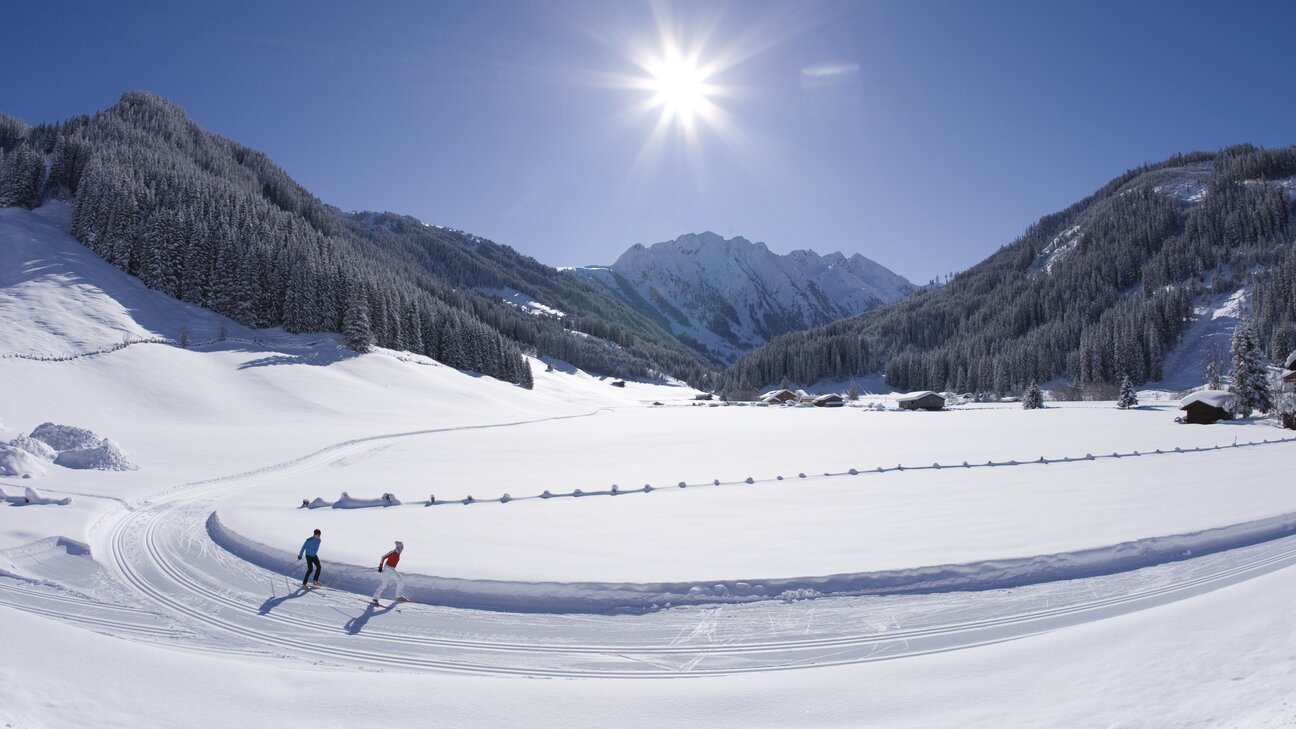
(1032, 399)
(1214, 378)
(1127, 397)
(20, 183)
(356, 331)
(1250, 383)
(853, 393)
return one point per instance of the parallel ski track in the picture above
(959, 634)
(137, 545)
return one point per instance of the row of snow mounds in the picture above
(62, 445)
(607, 597)
(617, 490)
(31, 497)
(347, 501)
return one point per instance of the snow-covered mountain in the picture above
(733, 295)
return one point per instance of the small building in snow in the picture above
(778, 396)
(618, 383)
(924, 400)
(831, 400)
(1207, 406)
(703, 396)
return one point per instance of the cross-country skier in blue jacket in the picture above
(310, 548)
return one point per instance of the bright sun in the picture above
(679, 87)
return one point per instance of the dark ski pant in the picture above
(311, 561)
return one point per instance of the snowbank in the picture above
(347, 501)
(18, 463)
(65, 437)
(106, 456)
(38, 448)
(31, 496)
(73, 447)
(596, 597)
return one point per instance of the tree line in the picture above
(1095, 292)
(218, 225)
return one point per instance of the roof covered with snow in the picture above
(911, 396)
(1215, 398)
(1291, 361)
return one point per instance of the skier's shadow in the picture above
(274, 602)
(356, 624)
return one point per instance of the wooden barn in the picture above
(778, 396)
(1206, 406)
(924, 400)
(831, 400)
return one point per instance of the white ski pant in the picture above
(389, 575)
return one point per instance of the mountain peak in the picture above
(732, 295)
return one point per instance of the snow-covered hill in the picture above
(732, 295)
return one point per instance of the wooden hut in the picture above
(778, 396)
(831, 400)
(924, 400)
(1207, 406)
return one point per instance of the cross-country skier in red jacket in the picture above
(387, 566)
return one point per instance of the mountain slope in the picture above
(732, 295)
(215, 224)
(1102, 289)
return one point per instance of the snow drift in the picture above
(18, 463)
(609, 597)
(73, 447)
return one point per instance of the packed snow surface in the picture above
(1138, 588)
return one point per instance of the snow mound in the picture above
(73, 447)
(32, 497)
(38, 448)
(65, 437)
(106, 456)
(347, 501)
(18, 463)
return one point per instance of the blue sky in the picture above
(921, 134)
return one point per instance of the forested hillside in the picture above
(216, 224)
(1097, 291)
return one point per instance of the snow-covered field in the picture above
(1110, 585)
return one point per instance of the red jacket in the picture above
(390, 559)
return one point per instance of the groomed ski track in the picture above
(185, 592)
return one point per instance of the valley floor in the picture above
(1086, 567)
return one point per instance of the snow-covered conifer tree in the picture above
(23, 174)
(1214, 378)
(355, 325)
(1250, 383)
(1127, 397)
(1032, 399)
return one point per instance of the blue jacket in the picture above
(310, 547)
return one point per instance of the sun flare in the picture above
(679, 88)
